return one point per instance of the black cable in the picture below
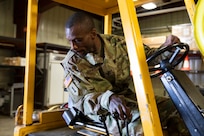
(103, 119)
(116, 116)
(126, 125)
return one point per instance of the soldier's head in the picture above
(81, 33)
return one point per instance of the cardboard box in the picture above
(18, 61)
(14, 61)
(186, 35)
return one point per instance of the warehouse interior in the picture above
(170, 17)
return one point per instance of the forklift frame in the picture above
(145, 96)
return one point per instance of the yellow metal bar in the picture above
(137, 3)
(29, 80)
(83, 5)
(108, 24)
(144, 91)
(190, 6)
(97, 8)
(48, 120)
(199, 25)
(24, 131)
(30, 62)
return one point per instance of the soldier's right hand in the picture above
(117, 105)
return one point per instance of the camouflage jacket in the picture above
(91, 80)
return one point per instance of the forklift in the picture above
(49, 120)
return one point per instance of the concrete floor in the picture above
(6, 125)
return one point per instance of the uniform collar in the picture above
(96, 58)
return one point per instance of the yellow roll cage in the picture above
(145, 96)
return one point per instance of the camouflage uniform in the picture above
(91, 80)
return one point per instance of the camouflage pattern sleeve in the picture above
(87, 89)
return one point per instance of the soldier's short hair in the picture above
(81, 18)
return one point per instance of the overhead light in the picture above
(149, 6)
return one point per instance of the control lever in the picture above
(116, 117)
(103, 119)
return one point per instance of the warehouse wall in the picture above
(52, 25)
(7, 28)
(161, 24)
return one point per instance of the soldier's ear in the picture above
(93, 33)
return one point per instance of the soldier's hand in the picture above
(117, 104)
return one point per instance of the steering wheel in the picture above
(170, 62)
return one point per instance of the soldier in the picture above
(97, 76)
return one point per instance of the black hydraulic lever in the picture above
(103, 119)
(126, 125)
(116, 117)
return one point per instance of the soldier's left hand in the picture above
(170, 40)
